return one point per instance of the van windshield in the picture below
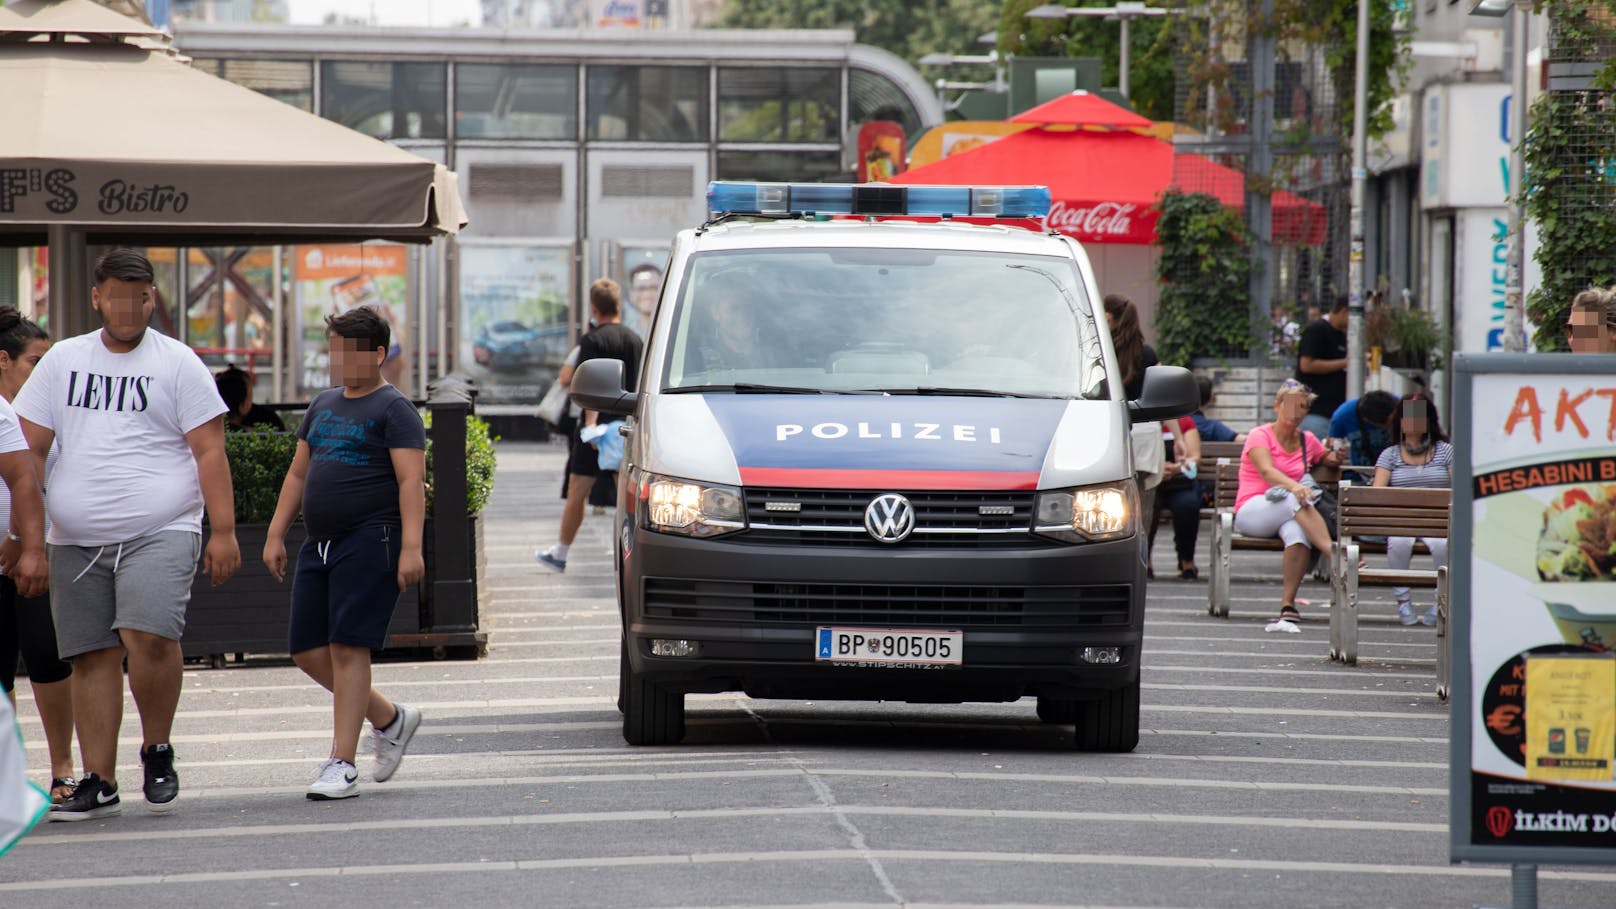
(900, 321)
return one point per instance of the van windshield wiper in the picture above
(960, 392)
(749, 388)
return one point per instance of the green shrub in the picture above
(259, 461)
(258, 465)
(1204, 269)
(480, 463)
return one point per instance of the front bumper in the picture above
(753, 610)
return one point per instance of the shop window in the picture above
(647, 103)
(872, 96)
(291, 81)
(516, 101)
(779, 105)
(782, 167)
(386, 100)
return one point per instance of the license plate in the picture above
(888, 646)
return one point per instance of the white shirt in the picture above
(126, 469)
(10, 438)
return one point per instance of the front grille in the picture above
(830, 517)
(739, 603)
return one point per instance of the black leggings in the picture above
(26, 629)
(1183, 498)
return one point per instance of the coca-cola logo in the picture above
(1102, 219)
(1499, 820)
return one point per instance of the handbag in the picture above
(553, 406)
(1324, 501)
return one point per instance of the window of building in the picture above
(515, 101)
(291, 81)
(647, 103)
(386, 100)
(779, 105)
(872, 96)
(782, 167)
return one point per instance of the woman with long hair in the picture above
(26, 627)
(1134, 356)
(1419, 458)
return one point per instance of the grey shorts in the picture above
(143, 584)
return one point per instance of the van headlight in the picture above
(1088, 513)
(692, 509)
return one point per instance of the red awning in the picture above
(1104, 186)
(1081, 108)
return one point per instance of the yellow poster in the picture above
(1571, 716)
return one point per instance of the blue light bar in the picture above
(877, 199)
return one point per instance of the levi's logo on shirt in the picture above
(112, 393)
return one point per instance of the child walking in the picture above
(358, 476)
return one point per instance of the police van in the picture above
(879, 450)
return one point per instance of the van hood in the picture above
(886, 442)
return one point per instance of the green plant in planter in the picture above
(258, 465)
(259, 461)
(480, 463)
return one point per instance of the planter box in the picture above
(249, 612)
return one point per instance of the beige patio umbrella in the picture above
(110, 139)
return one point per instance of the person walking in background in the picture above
(359, 479)
(26, 627)
(1419, 458)
(1591, 323)
(1274, 499)
(235, 387)
(609, 339)
(1321, 364)
(137, 417)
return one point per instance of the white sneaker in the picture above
(337, 779)
(389, 749)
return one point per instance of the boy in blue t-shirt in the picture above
(359, 477)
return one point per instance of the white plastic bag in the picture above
(554, 404)
(22, 803)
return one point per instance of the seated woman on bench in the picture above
(1273, 500)
(1419, 458)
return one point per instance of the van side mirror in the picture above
(1170, 392)
(598, 385)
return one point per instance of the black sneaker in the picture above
(162, 783)
(93, 798)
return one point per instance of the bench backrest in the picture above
(1385, 511)
(1211, 451)
(1227, 483)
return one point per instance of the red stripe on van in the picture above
(812, 478)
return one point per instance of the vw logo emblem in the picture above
(889, 518)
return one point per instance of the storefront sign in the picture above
(334, 278)
(1534, 607)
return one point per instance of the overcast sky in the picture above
(388, 12)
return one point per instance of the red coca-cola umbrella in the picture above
(1082, 108)
(1104, 186)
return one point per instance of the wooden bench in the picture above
(1210, 453)
(1226, 477)
(1386, 512)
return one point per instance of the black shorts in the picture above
(344, 590)
(583, 459)
(26, 629)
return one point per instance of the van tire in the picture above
(652, 715)
(1056, 711)
(1110, 723)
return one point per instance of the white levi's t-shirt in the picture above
(126, 470)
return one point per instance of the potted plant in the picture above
(249, 612)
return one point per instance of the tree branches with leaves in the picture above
(1204, 272)
(909, 28)
(1150, 68)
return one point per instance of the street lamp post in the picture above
(1360, 158)
(991, 58)
(1122, 12)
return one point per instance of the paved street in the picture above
(1266, 776)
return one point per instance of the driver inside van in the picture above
(730, 336)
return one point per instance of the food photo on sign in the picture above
(1543, 610)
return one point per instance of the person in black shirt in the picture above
(235, 387)
(1322, 366)
(612, 340)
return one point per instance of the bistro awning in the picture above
(124, 143)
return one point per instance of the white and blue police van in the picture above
(879, 449)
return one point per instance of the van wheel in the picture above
(1110, 723)
(652, 715)
(1056, 711)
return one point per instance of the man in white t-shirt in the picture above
(137, 419)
